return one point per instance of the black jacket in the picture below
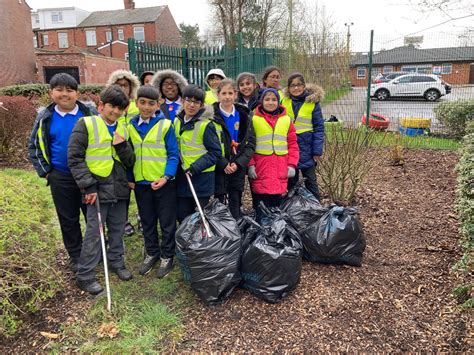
(203, 182)
(244, 152)
(111, 188)
(35, 154)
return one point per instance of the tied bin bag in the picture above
(336, 238)
(210, 264)
(271, 257)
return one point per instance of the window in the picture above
(406, 79)
(422, 69)
(45, 40)
(139, 33)
(361, 73)
(108, 36)
(388, 69)
(422, 79)
(120, 34)
(56, 16)
(375, 72)
(409, 68)
(62, 40)
(90, 38)
(35, 41)
(446, 68)
(126, 56)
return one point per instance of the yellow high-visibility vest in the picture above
(191, 143)
(271, 141)
(303, 123)
(100, 154)
(210, 97)
(150, 152)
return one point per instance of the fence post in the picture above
(132, 55)
(240, 48)
(185, 63)
(369, 83)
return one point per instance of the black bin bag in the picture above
(301, 207)
(271, 258)
(336, 238)
(210, 264)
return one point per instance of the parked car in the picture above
(429, 86)
(383, 78)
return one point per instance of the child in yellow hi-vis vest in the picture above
(98, 155)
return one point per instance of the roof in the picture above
(122, 17)
(413, 55)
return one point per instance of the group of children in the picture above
(161, 138)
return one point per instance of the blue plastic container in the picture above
(412, 131)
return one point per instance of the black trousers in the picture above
(187, 206)
(67, 200)
(310, 182)
(153, 206)
(233, 199)
(268, 200)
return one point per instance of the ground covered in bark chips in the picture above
(399, 300)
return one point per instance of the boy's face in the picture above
(125, 86)
(65, 98)
(270, 102)
(247, 87)
(191, 106)
(169, 89)
(109, 112)
(227, 96)
(147, 107)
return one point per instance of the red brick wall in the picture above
(118, 50)
(459, 74)
(92, 69)
(17, 54)
(167, 32)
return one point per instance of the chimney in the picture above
(129, 4)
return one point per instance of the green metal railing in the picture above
(194, 63)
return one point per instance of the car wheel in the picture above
(382, 94)
(432, 95)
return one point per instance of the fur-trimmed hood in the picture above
(316, 93)
(125, 74)
(160, 76)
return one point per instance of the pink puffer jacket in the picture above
(272, 170)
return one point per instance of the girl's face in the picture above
(191, 106)
(247, 87)
(296, 87)
(270, 102)
(214, 81)
(273, 80)
(125, 86)
(227, 96)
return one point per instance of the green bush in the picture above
(28, 246)
(454, 115)
(465, 210)
(38, 90)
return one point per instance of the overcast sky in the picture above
(391, 20)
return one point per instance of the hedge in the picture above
(37, 90)
(455, 115)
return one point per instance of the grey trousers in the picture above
(114, 216)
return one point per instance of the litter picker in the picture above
(204, 221)
(104, 254)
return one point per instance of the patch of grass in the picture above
(334, 94)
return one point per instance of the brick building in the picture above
(455, 64)
(106, 32)
(17, 55)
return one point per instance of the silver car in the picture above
(428, 86)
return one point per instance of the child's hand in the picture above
(158, 184)
(317, 158)
(131, 185)
(291, 172)
(230, 168)
(118, 138)
(252, 173)
(89, 199)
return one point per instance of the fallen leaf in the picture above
(50, 335)
(108, 330)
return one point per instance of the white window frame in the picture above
(421, 68)
(91, 38)
(126, 56)
(108, 36)
(120, 34)
(57, 14)
(446, 68)
(359, 75)
(35, 41)
(387, 69)
(63, 40)
(46, 39)
(142, 30)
